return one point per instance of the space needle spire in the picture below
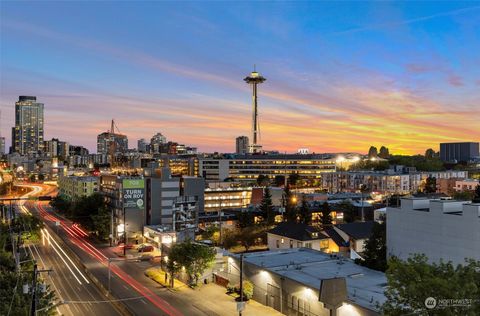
(254, 79)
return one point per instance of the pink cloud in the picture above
(455, 80)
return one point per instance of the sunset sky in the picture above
(341, 76)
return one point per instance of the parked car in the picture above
(121, 245)
(146, 248)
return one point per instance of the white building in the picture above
(388, 182)
(297, 235)
(249, 167)
(296, 282)
(356, 234)
(440, 229)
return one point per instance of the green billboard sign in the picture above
(133, 193)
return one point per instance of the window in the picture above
(308, 245)
(291, 243)
(283, 240)
(278, 243)
(299, 244)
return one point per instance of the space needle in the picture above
(254, 79)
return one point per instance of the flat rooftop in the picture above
(365, 286)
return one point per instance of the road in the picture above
(139, 299)
(71, 284)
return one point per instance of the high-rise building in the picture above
(78, 150)
(56, 148)
(459, 151)
(27, 135)
(2, 139)
(142, 145)
(2, 145)
(157, 142)
(107, 139)
(241, 145)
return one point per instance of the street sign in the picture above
(240, 306)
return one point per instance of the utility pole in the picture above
(241, 284)
(33, 308)
(220, 223)
(17, 251)
(34, 291)
(111, 227)
(124, 233)
(109, 276)
(361, 194)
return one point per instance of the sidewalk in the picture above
(211, 299)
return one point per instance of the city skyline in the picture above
(407, 82)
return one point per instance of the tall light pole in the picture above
(254, 79)
(241, 285)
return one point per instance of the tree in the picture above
(377, 165)
(262, 180)
(61, 204)
(349, 214)
(247, 290)
(419, 162)
(245, 219)
(476, 197)
(230, 238)
(430, 185)
(248, 236)
(463, 196)
(372, 152)
(89, 211)
(375, 253)
(266, 207)
(384, 152)
(410, 282)
(101, 223)
(430, 153)
(293, 179)
(325, 217)
(279, 181)
(304, 212)
(194, 258)
(12, 299)
(290, 204)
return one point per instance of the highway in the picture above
(139, 299)
(74, 290)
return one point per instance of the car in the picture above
(129, 246)
(146, 248)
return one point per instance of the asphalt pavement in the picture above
(75, 292)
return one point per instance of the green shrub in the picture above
(247, 290)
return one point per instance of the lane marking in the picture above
(86, 280)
